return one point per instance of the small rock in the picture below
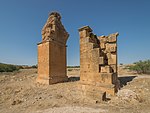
(146, 89)
(15, 102)
(40, 97)
(17, 91)
(33, 102)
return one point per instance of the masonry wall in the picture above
(52, 51)
(98, 62)
(43, 62)
(58, 63)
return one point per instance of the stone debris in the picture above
(15, 102)
(128, 96)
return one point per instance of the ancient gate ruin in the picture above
(98, 59)
(52, 51)
(98, 63)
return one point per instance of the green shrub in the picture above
(8, 68)
(73, 66)
(34, 66)
(141, 67)
(121, 64)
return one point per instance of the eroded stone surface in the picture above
(52, 51)
(98, 62)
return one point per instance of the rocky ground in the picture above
(20, 94)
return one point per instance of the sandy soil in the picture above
(20, 94)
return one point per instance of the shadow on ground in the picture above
(124, 80)
(73, 79)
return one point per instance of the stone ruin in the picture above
(98, 59)
(98, 63)
(52, 51)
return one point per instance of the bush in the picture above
(121, 64)
(8, 68)
(34, 66)
(141, 67)
(73, 66)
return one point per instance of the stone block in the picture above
(103, 39)
(92, 92)
(114, 68)
(85, 32)
(101, 60)
(107, 77)
(84, 40)
(86, 47)
(112, 38)
(102, 45)
(108, 55)
(112, 60)
(106, 69)
(111, 47)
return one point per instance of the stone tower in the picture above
(98, 63)
(52, 51)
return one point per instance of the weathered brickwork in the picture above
(98, 62)
(52, 51)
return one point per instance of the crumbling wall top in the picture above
(87, 28)
(55, 14)
(54, 30)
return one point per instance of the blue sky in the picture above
(21, 22)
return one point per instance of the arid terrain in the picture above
(20, 94)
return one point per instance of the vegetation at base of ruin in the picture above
(8, 67)
(141, 67)
(73, 66)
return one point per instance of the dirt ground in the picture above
(20, 94)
